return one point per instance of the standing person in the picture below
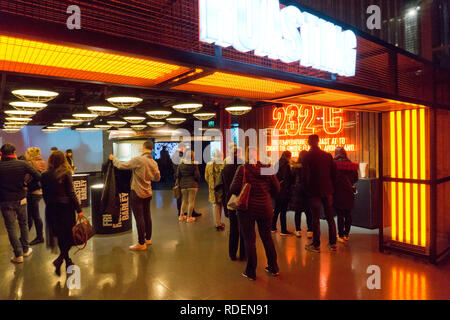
(164, 157)
(53, 149)
(282, 200)
(236, 239)
(299, 201)
(13, 199)
(259, 211)
(212, 176)
(188, 177)
(318, 179)
(69, 155)
(61, 204)
(145, 169)
(344, 197)
(34, 195)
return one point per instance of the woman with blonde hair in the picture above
(188, 177)
(34, 194)
(61, 204)
(213, 171)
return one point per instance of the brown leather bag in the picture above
(82, 231)
(240, 202)
(177, 190)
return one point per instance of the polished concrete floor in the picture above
(190, 261)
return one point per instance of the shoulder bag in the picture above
(82, 232)
(240, 202)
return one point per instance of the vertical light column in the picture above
(415, 175)
(408, 212)
(423, 195)
(393, 175)
(400, 175)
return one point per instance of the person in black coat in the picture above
(259, 211)
(344, 197)
(319, 178)
(61, 204)
(281, 201)
(299, 202)
(236, 239)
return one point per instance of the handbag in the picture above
(82, 231)
(176, 190)
(240, 202)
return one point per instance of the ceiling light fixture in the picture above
(103, 111)
(20, 113)
(85, 116)
(138, 127)
(116, 123)
(28, 106)
(156, 124)
(204, 115)
(176, 121)
(159, 114)
(238, 108)
(49, 130)
(12, 130)
(134, 118)
(33, 95)
(188, 106)
(62, 124)
(18, 120)
(103, 126)
(124, 102)
(72, 121)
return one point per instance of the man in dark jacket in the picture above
(13, 199)
(319, 178)
(282, 199)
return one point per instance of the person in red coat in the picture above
(344, 196)
(259, 212)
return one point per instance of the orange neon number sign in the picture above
(296, 120)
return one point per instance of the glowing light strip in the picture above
(423, 196)
(400, 175)
(393, 175)
(415, 175)
(408, 175)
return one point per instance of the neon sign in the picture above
(287, 34)
(295, 122)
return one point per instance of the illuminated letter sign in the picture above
(286, 34)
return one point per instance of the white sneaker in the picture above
(148, 242)
(17, 259)
(138, 247)
(28, 253)
(309, 234)
(298, 234)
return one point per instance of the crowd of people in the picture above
(313, 181)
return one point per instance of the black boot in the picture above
(37, 241)
(57, 263)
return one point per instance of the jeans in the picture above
(34, 215)
(344, 221)
(142, 215)
(281, 210)
(236, 240)
(315, 204)
(188, 202)
(298, 219)
(11, 212)
(247, 223)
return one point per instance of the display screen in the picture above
(171, 147)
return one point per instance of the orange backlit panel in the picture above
(34, 57)
(241, 86)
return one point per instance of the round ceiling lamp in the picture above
(49, 130)
(159, 114)
(85, 116)
(238, 108)
(11, 130)
(116, 123)
(54, 128)
(134, 118)
(103, 111)
(124, 102)
(20, 113)
(138, 127)
(176, 121)
(187, 106)
(72, 121)
(28, 106)
(18, 120)
(12, 126)
(87, 128)
(62, 124)
(34, 95)
(126, 128)
(156, 124)
(103, 126)
(203, 116)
